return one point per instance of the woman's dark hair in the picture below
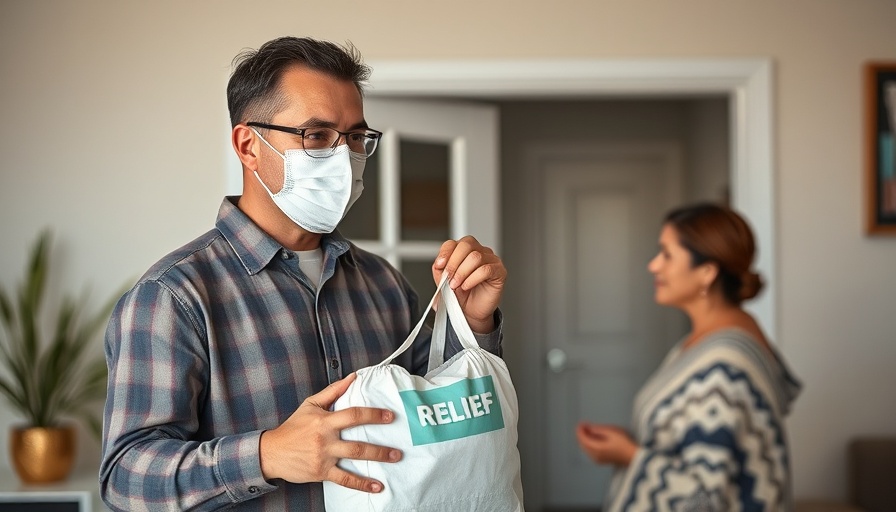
(713, 233)
(253, 91)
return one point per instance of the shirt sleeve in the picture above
(724, 457)
(491, 342)
(157, 372)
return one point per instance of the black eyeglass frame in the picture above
(369, 133)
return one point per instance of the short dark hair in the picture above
(254, 87)
(717, 234)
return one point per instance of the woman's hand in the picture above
(606, 444)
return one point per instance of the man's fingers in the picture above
(354, 416)
(461, 258)
(474, 272)
(453, 252)
(461, 269)
(325, 397)
(442, 258)
(342, 477)
(366, 451)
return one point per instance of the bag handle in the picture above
(448, 307)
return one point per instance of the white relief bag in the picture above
(456, 428)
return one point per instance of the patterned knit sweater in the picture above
(710, 425)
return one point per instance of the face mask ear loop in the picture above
(268, 143)
(262, 183)
(272, 149)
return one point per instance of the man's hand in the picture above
(307, 446)
(477, 277)
(606, 444)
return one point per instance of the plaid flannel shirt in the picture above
(223, 339)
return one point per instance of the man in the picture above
(227, 355)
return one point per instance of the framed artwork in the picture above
(880, 129)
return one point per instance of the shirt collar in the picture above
(254, 247)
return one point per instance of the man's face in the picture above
(314, 99)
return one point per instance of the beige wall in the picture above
(113, 132)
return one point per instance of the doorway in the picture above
(742, 87)
(585, 184)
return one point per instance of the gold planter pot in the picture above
(42, 455)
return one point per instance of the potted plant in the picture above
(48, 378)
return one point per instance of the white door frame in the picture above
(747, 83)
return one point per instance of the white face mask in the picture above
(317, 192)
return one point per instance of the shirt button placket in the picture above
(326, 327)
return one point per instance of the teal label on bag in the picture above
(463, 409)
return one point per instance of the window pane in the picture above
(362, 222)
(424, 190)
(419, 273)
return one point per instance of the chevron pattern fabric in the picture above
(710, 424)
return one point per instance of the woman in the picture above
(708, 426)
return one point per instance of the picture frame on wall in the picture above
(880, 128)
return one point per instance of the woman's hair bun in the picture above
(750, 285)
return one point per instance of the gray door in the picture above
(601, 332)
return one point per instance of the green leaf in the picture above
(16, 399)
(6, 313)
(50, 378)
(31, 295)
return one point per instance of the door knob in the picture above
(556, 360)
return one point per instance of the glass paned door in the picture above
(433, 177)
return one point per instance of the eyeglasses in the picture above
(317, 140)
